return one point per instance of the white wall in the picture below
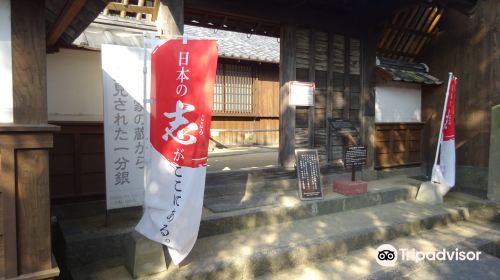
(6, 94)
(74, 85)
(397, 102)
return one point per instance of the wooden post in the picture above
(329, 96)
(368, 57)
(288, 42)
(24, 144)
(347, 80)
(29, 62)
(312, 78)
(170, 20)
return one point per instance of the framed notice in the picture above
(355, 156)
(308, 174)
(301, 93)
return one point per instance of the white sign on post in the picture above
(124, 125)
(301, 93)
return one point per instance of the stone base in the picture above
(143, 256)
(350, 187)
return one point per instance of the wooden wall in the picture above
(263, 121)
(398, 144)
(332, 61)
(77, 162)
(469, 47)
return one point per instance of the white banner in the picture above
(124, 125)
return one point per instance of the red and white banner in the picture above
(182, 84)
(444, 172)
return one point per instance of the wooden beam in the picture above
(65, 18)
(312, 78)
(171, 17)
(123, 13)
(288, 42)
(139, 15)
(156, 8)
(124, 8)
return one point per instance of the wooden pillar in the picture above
(29, 62)
(171, 17)
(24, 159)
(329, 95)
(312, 78)
(368, 57)
(288, 42)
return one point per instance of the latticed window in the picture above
(233, 89)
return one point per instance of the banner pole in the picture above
(450, 76)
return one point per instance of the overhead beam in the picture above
(64, 19)
(124, 8)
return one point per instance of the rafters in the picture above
(64, 19)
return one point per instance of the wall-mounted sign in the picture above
(301, 93)
(308, 174)
(355, 156)
(342, 126)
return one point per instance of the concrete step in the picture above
(361, 264)
(274, 248)
(90, 239)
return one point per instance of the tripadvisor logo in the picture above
(387, 255)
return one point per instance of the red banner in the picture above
(449, 121)
(182, 82)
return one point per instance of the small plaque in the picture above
(355, 156)
(308, 174)
(301, 94)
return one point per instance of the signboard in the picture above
(301, 94)
(342, 126)
(308, 174)
(355, 156)
(123, 82)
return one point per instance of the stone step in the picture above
(261, 174)
(271, 249)
(252, 185)
(361, 264)
(90, 239)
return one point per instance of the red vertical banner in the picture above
(182, 86)
(449, 121)
(182, 80)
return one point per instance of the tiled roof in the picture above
(129, 32)
(407, 71)
(240, 45)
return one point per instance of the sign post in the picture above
(354, 156)
(308, 174)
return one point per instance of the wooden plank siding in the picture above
(473, 56)
(77, 162)
(398, 144)
(332, 61)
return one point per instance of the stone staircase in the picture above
(254, 226)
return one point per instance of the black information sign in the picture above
(342, 126)
(355, 156)
(308, 174)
